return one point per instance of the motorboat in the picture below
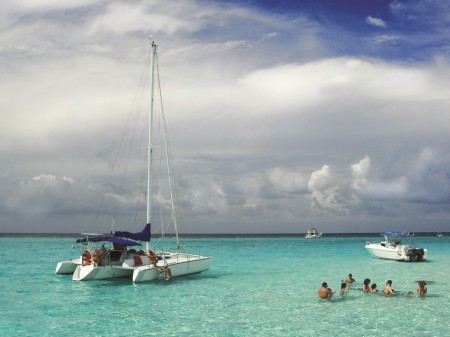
(393, 247)
(313, 233)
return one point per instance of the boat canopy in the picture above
(112, 239)
(395, 234)
(143, 235)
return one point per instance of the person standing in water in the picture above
(388, 288)
(324, 292)
(365, 286)
(350, 279)
(373, 288)
(422, 290)
(344, 288)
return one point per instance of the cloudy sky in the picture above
(283, 115)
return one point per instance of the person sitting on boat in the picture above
(422, 290)
(325, 292)
(388, 288)
(350, 279)
(344, 288)
(373, 288)
(365, 286)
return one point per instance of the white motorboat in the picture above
(313, 233)
(114, 258)
(394, 248)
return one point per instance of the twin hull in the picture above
(67, 267)
(179, 264)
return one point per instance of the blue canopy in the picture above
(143, 235)
(113, 239)
(395, 234)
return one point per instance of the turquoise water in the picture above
(255, 287)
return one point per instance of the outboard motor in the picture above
(415, 254)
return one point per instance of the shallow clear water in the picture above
(255, 287)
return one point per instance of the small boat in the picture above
(313, 233)
(110, 255)
(439, 235)
(394, 248)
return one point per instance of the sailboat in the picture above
(122, 261)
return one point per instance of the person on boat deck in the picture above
(373, 288)
(365, 286)
(344, 288)
(388, 288)
(422, 290)
(325, 292)
(350, 279)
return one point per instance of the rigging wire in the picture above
(129, 130)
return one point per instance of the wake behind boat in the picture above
(110, 256)
(313, 233)
(393, 248)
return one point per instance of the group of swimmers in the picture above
(325, 292)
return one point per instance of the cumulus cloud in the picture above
(423, 178)
(360, 172)
(324, 195)
(266, 116)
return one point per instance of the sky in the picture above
(283, 115)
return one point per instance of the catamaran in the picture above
(111, 256)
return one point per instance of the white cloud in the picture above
(262, 114)
(375, 22)
(360, 172)
(324, 195)
(385, 38)
(319, 179)
(424, 178)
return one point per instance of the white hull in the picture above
(313, 236)
(86, 273)
(179, 264)
(398, 253)
(67, 267)
(92, 272)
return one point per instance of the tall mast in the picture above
(149, 153)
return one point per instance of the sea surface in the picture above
(257, 286)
